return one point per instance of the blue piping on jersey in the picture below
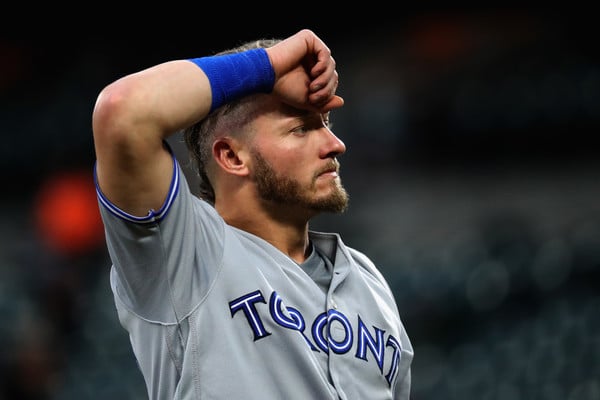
(153, 216)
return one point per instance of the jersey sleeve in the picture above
(163, 264)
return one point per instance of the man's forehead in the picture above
(291, 111)
(277, 108)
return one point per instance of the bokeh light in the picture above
(66, 213)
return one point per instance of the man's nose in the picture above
(334, 146)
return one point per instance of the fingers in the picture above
(322, 73)
(322, 67)
(324, 76)
(324, 86)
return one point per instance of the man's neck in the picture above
(285, 231)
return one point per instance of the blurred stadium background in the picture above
(472, 166)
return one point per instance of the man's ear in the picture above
(226, 152)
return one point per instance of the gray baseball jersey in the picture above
(214, 312)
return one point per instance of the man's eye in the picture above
(300, 129)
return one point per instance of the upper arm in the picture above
(132, 166)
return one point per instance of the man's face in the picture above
(294, 161)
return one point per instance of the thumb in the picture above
(333, 103)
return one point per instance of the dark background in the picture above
(472, 167)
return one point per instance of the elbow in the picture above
(113, 114)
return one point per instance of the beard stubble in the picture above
(278, 189)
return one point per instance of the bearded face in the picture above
(281, 189)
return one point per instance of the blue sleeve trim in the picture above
(153, 216)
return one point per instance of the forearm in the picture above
(153, 103)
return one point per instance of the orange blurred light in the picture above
(66, 213)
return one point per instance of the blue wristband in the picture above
(232, 76)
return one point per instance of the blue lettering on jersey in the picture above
(295, 320)
(246, 304)
(329, 330)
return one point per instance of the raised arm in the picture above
(133, 115)
(131, 118)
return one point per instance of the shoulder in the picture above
(367, 264)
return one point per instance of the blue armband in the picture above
(232, 76)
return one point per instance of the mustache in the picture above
(331, 166)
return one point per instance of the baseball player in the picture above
(230, 295)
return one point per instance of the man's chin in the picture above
(337, 203)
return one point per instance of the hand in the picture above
(305, 73)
